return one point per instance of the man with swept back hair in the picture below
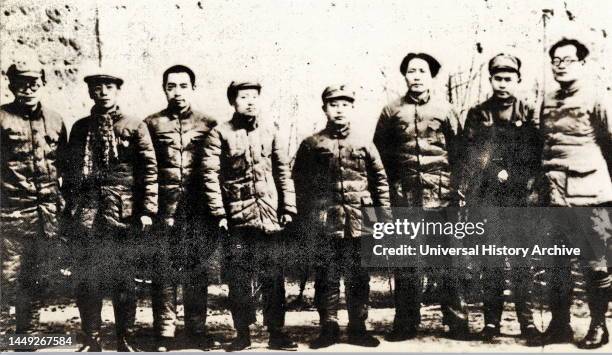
(575, 123)
(184, 245)
(417, 136)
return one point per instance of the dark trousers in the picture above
(106, 265)
(253, 255)
(448, 271)
(408, 292)
(180, 257)
(335, 258)
(22, 279)
(590, 230)
(510, 227)
(493, 284)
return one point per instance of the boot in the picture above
(124, 346)
(558, 332)
(163, 344)
(280, 341)
(242, 341)
(489, 332)
(532, 335)
(357, 335)
(330, 334)
(596, 337)
(203, 341)
(91, 343)
(459, 331)
(401, 334)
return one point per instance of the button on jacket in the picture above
(247, 178)
(500, 136)
(418, 142)
(32, 150)
(577, 145)
(179, 144)
(127, 190)
(336, 174)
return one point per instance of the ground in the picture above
(302, 325)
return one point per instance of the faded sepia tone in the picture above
(296, 49)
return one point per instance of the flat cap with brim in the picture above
(26, 68)
(504, 63)
(95, 78)
(335, 92)
(235, 86)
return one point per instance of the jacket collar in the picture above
(114, 112)
(172, 114)
(421, 99)
(569, 90)
(245, 122)
(502, 103)
(24, 112)
(338, 131)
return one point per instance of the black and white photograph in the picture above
(393, 176)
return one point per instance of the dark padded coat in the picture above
(335, 176)
(32, 150)
(247, 178)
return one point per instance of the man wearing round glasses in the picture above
(33, 141)
(576, 158)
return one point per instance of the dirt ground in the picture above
(301, 322)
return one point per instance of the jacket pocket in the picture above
(582, 184)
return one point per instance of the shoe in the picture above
(401, 334)
(124, 346)
(532, 336)
(163, 344)
(363, 339)
(203, 341)
(596, 337)
(90, 344)
(242, 341)
(330, 335)
(459, 332)
(489, 332)
(558, 333)
(281, 341)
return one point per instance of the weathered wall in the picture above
(295, 47)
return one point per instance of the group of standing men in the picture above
(179, 182)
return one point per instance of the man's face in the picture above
(104, 94)
(504, 84)
(339, 111)
(566, 66)
(26, 90)
(418, 77)
(178, 90)
(247, 102)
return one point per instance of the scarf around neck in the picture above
(101, 144)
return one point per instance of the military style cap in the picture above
(26, 67)
(235, 86)
(337, 92)
(93, 78)
(504, 63)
